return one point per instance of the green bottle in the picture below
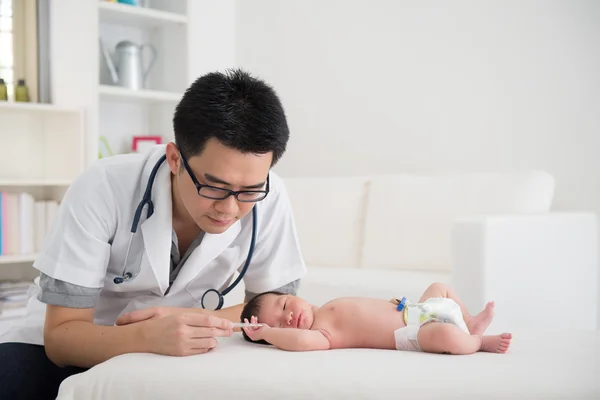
(21, 91)
(3, 90)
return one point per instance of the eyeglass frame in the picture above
(228, 193)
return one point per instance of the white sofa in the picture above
(492, 236)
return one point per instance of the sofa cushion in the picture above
(323, 284)
(409, 218)
(329, 215)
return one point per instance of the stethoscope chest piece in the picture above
(120, 279)
(211, 300)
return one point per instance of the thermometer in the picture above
(246, 325)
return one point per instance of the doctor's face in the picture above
(220, 167)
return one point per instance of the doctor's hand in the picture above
(183, 334)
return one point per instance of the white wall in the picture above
(393, 85)
(211, 40)
(384, 86)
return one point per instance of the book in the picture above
(26, 226)
(24, 222)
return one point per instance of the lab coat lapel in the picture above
(210, 247)
(157, 229)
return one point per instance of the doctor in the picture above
(104, 291)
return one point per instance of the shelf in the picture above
(138, 17)
(18, 258)
(34, 182)
(35, 107)
(149, 96)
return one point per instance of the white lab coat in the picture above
(88, 240)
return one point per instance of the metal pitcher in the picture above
(127, 69)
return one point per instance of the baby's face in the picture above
(285, 311)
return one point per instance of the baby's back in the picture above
(360, 322)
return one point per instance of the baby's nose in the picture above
(290, 318)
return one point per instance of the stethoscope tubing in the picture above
(147, 200)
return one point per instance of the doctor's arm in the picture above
(72, 338)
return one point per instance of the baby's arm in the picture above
(297, 339)
(288, 338)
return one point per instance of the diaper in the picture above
(435, 309)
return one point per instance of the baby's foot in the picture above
(479, 323)
(496, 343)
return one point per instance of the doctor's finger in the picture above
(193, 352)
(208, 332)
(203, 343)
(209, 321)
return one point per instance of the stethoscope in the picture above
(211, 296)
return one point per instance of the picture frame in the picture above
(141, 144)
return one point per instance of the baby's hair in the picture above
(252, 308)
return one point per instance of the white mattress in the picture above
(540, 365)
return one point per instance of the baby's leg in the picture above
(477, 324)
(437, 337)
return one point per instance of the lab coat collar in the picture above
(157, 229)
(211, 246)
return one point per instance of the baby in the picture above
(439, 323)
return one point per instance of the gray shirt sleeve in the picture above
(64, 294)
(290, 288)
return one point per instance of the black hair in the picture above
(252, 308)
(240, 111)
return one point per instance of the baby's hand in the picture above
(255, 333)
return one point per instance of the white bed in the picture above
(540, 365)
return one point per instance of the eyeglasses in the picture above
(217, 193)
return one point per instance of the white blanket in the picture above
(540, 365)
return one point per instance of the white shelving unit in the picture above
(42, 153)
(138, 17)
(17, 259)
(142, 96)
(19, 183)
(35, 107)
